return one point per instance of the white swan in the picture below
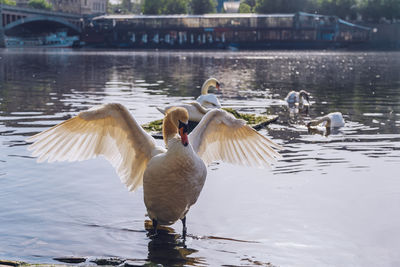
(298, 98)
(204, 103)
(209, 100)
(172, 178)
(331, 120)
(195, 110)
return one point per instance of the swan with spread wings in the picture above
(172, 177)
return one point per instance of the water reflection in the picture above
(41, 202)
(169, 249)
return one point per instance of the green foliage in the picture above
(203, 6)
(253, 120)
(153, 7)
(244, 8)
(40, 4)
(159, 7)
(127, 4)
(280, 6)
(251, 3)
(373, 10)
(175, 7)
(8, 2)
(341, 8)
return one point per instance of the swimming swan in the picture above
(298, 98)
(331, 120)
(209, 100)
(195, 110)
(172, 177)
(204, 103)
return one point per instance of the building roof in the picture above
(219, 15)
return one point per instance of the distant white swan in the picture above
(209, 100)
(331, 120)
(172, 177)
(204, 103)
(298, 98)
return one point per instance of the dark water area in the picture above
(332, 200)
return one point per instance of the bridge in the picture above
(15, 20)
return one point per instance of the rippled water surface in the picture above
(333, 199)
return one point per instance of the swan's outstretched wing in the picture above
(107, 130)
(220, 136)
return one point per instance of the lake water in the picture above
(333, 200)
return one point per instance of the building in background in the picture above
(231, 6)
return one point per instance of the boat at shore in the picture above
(53, 40)
(227, 31)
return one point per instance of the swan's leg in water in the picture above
(184, 226)
(155, 223)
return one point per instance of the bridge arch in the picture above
(27, 20)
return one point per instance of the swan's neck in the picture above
(169, 129)
(303, 94)
(321, 120)
(207, 84)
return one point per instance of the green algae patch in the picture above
(153, 126)
(251, 118)
(255, 121)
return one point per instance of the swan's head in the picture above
(208, 83)
(305, 94)
(209, 101)
(176, 121)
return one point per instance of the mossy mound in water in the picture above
(250, 118)
(153, 126)
(256, 121)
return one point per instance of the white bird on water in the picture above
(300, 98)
(172, 177)
(204, 103)
(331, 120)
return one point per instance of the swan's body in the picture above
(172, 178)
(195, 110)
(172, 169)
(297, 98)
(331, 120)
(204, 103)
(209, 100)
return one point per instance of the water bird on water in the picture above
(203, 103)
(331, 120)
(172, 177)
(300, 98)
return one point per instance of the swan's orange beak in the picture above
(183, 132)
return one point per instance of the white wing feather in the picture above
(220, 136)
(107, 130)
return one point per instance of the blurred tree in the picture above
(391, 9)
(244, 8)
(40, 4)
(374, 10)
(280, 6)
(175, 7)
(341, 8)
(153, 7)
(251, 3)
(127, 5)
(202, 6)
(8, 2)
